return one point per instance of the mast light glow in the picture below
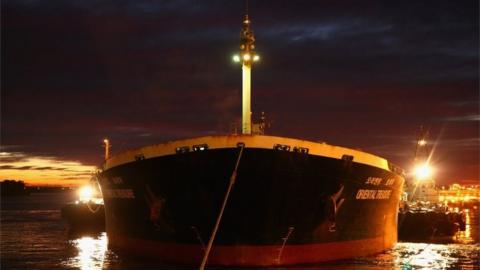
(423, 171)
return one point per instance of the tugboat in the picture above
(423, 217)
(250, 199)
(423, 222)
(87, 213)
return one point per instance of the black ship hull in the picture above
(291, 204)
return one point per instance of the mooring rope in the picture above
(90, 208)
(219, 218)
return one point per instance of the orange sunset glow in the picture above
(38, 170)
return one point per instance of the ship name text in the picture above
(376, 181)
(373, 194)
(118, 193)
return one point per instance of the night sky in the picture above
(360, 74)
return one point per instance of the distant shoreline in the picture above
(11, 188)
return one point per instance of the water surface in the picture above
(33, 236)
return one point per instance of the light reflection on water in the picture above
(404, 256)
(470, 234)
(91, 252)
(424, 256)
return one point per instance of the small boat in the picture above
(86, 213)
(420, 223)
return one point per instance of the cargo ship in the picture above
(250, 199)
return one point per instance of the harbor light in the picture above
(256, 58)
(422, 171)
(107, 148)
(85, 193)
(236, 58)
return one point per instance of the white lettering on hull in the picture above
(373, 194)
(118, 193)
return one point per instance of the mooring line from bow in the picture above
(219, 218)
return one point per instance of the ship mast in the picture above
(247, 57)
(422, 170)
(422, 152)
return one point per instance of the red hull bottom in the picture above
(252, 255)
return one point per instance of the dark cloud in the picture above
(73, 178)
(142, 72)
(48, 168)
(12, 167)
(11, 157)
(461, 143)
(24, 168)
(27, 168)
(464, 118)
(78, 174)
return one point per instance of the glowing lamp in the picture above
(85, 193)
(256, 58)
(236, 58)
(246, 57)
(422, 142)
(422, 171)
